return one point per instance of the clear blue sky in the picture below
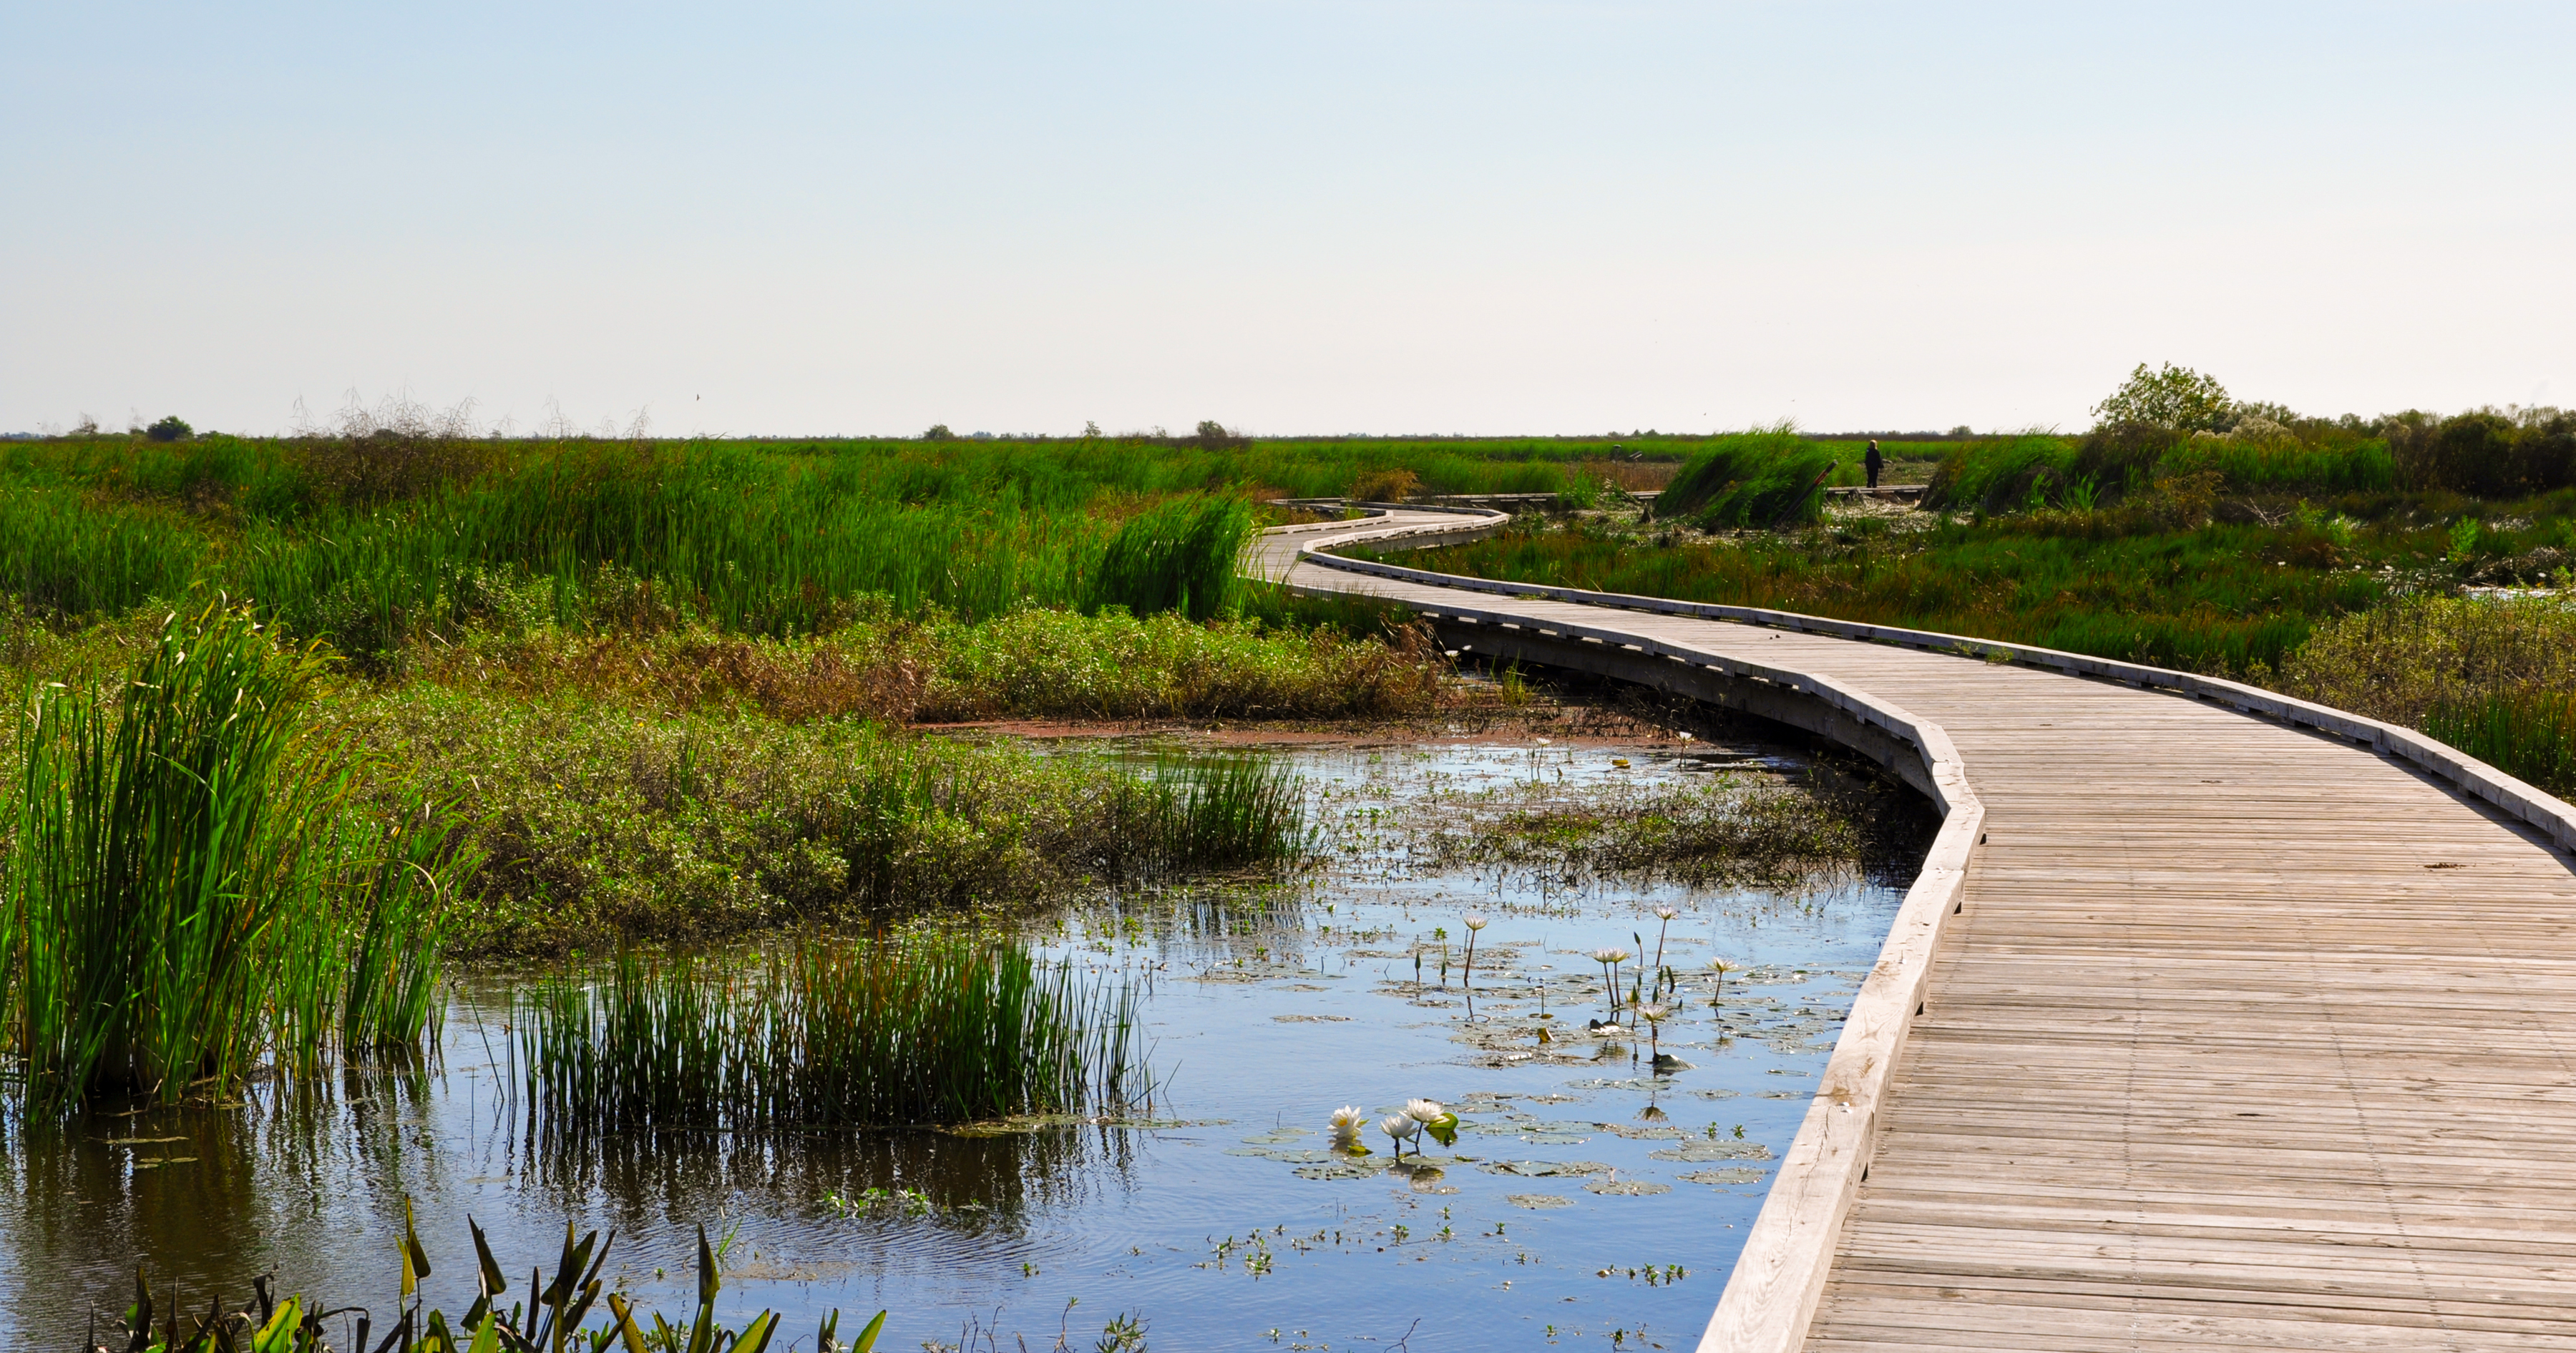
(1391, 217)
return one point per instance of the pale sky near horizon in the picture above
(1313, 218)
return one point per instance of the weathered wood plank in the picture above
(2250, 1025)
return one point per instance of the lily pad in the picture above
(1311, 1019)
(1732, 1174)
(1538, 1201)
(1556, 1138)
(1339, 1169)
(1626, 1188)
(1701, 1153)
(1542, 1169)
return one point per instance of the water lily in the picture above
(1654, 1013)
(1429, 1116)
(1686, 737)
(1610, 959)
(1721, 967)
(1399, 1126)
(1665, 915)
(1474, 922)
(1347, 1122)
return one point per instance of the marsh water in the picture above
(1593, 1197)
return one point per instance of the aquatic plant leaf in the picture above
(487, 1339)
(868, 1337)
(1444, 1129)
(627, 1334)
(415, 1259)
(493, 1283)
(755, 1336)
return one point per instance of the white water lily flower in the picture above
(1475, 921)
(1609, 955)
(1398, 1125)
(1667, 913)
(1651, 1012)
(1542, 742)
(1423, 1110)
(1686, 737)
(1349, 1116)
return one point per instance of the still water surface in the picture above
(1588, 1201)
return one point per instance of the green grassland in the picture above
(659, 684)
(2328, 558)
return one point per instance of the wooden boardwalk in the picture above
(2238, 1036)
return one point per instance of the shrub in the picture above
(2486, 453)
(2175, 398)
(1384, 486)
(170, 429)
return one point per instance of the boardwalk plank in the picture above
(2213, 1056)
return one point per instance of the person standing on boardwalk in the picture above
(1873, 462)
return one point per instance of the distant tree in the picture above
(2176, 398)
(939, 433)
(170, 429)
(1213, 435)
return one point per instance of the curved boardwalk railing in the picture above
(2215, 1018)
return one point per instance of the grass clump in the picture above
(190, 889)
(1179, 555)
(823, 1032)
(1754, 479)
(1734, 832)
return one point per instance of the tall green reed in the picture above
(1179, 555)
(830, 1032)
(1226, 812)
(2529, 734)
(1749, 479)
(190, 889)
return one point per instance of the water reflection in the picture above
(1274, 1005)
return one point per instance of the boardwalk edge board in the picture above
(1771, 1299)
(2527, 803)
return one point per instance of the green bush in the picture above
(2486, 453)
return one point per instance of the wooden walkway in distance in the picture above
(2243, 1037)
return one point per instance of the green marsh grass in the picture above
(1754, 479)
(1183, 555)
(830, 1032)
(1227, 812)
(190, 888)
